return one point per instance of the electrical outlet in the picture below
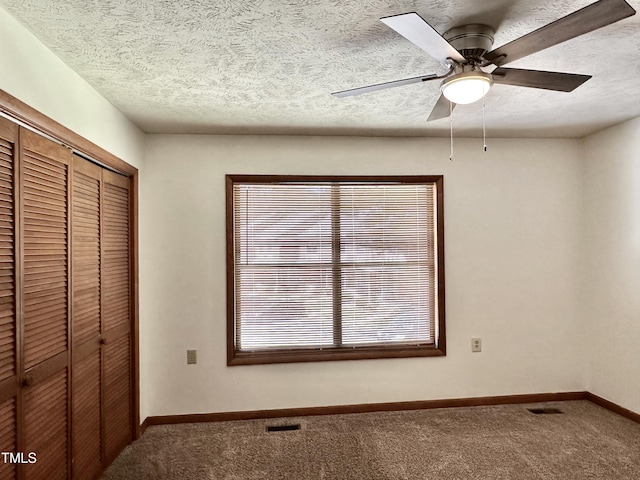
(191, 357)
(476, 344)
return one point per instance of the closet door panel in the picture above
(8, 331)
(44, 174)
(45, 239)
(115, 266)
(8, 311)
(8, 440)
(7, 262)
(46, 424)
(87, 411)
(86, 322)
(116, 304)
(85, 221)
(117, 396)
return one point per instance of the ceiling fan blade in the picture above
(382, 86)
(585, 20)
(415, 29)
(561, 82)
(441, 109)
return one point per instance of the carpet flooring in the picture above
(498, 442)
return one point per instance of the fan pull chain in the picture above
(484, 130)
(451, 129)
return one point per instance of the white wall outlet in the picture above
(191, 357)
(476, 344)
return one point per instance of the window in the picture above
(334, 268)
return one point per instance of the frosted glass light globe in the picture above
(467, 87)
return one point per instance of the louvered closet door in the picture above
(86, 323)
(8, 326)
(116, 314)
(45, 200)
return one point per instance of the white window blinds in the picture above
(334, 265)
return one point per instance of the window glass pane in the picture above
(284, 307)
(386, 304)
(385, 223)
(283, 224)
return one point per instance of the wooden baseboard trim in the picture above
(144, 425)
(362, 408)
(389, 407)
(614, 407)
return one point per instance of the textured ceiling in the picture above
(269, 66)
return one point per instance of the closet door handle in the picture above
(103, 340)
(28, 380)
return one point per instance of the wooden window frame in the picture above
(234, 357)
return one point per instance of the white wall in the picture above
(611, 275)
(34, 75)
(512, 220)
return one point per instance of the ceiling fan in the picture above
(465, 50)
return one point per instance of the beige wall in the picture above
(34, 75)
(611, 275)
(512, 221)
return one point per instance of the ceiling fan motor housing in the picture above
(472, 41)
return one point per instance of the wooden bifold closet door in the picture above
(65, 310)
(9, 367)
(102, 407)
(116, 304)
(44, 201)
(87, 324)
(34, 304)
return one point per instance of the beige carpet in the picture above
(501, 442)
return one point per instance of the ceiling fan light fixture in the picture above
(466, 87)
